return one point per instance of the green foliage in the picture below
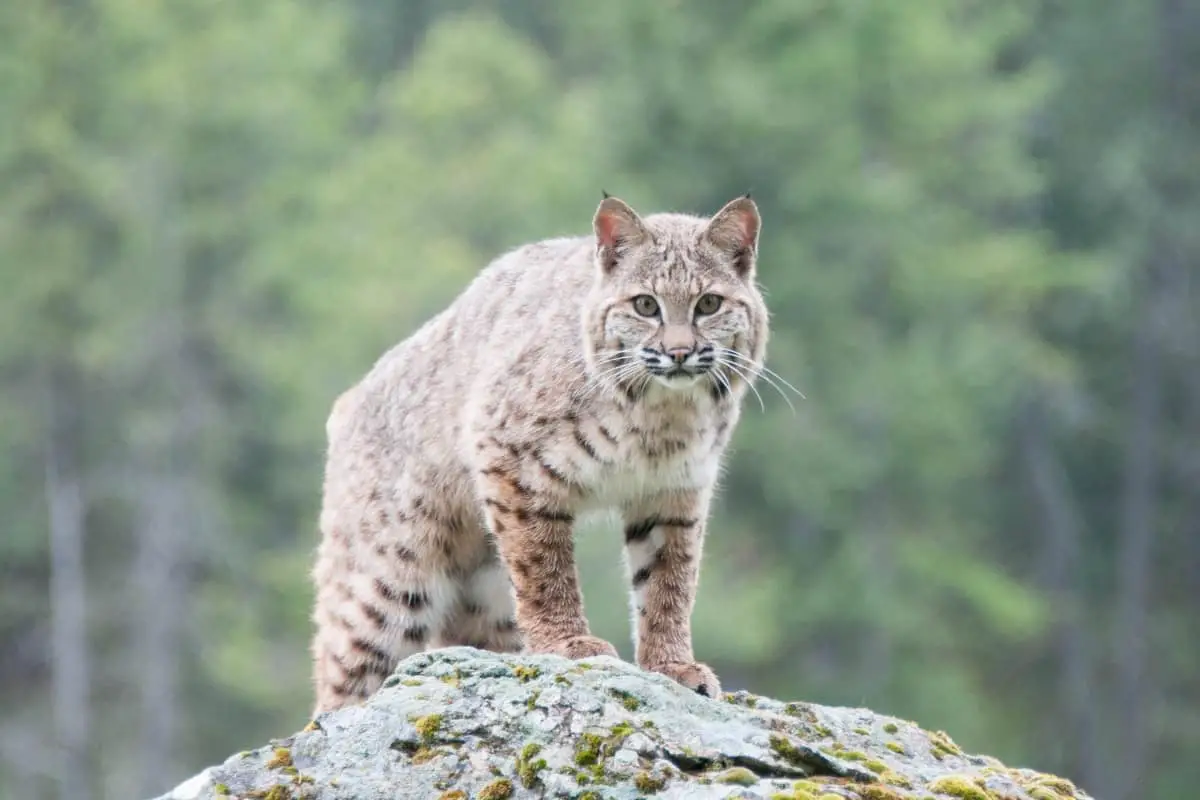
(215, 216)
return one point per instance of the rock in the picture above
(462, 724)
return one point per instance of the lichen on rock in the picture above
(462, 723)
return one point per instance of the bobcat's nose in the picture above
(679, 354)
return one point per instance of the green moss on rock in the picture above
(649, 783)
(499, 789)
(959, 787)
(428, 727)
(802, 790)
(282, 758)
(1051, 785)
(279, 792)
(528, 765)
(525, 674)
(587, 749)
(626, 699)
(593, 749)
(942, 745)
(423, 755)
(737, 775)
(784, 748)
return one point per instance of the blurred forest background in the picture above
(981, 246)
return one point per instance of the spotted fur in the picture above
(457, 467)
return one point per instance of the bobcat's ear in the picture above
(734, 231)
(617, 227)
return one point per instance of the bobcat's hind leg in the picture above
(485, 615)
(376, 605)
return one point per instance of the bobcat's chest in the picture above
(652, 456)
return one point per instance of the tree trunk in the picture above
(1134, 696)
(68, 589)
(877, 650)
(166, 489)
(162, 523)
(29, 763)
(1062, 533)
(1138, 510)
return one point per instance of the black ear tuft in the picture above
(606, 194)
(702, 690)
(747, 196)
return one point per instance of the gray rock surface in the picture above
(461, 724)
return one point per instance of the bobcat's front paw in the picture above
(697, 677)
(582, 647)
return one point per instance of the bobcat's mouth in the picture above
(678, 377)
(676, 373)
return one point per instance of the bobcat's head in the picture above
(674, 302)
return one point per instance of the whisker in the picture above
(596, 382)
(762, 368)
(767, 378)
(615, 369)
(722, 379)
(770, 382)
(646, 378)
(612, 374)
(770, 373)
(609, 369)
(731, 366)
(611, 358)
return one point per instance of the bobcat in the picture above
(573, 374)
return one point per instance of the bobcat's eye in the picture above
(645, 305)
(708, 304)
